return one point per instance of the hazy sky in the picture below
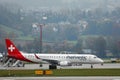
(58, 3)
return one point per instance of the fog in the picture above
(70, 25)
(62, 3)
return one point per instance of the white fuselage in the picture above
(71, 58)
(53, 59)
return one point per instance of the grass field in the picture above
(63, 72)
(9, 30)
(87, 72)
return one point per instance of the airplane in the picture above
(53, 59)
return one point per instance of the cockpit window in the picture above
(95, 57)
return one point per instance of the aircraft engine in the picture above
(65, 63)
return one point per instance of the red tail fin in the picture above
(13, 52)
(11, 48)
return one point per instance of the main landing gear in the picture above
(41, 65)
(52, 66)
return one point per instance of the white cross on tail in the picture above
(11, 48)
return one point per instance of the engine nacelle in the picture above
(65, 63)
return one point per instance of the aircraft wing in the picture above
(56, 62)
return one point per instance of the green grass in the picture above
(87, 72)
(72, 42)
(63, 72)
(25, 38)
(7, 73)
(9, 30)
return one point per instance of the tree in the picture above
(100, 46)
(71, 33)
(114, 46)
(33, 46)
(2, 46)
(90, 43)
(78, 46)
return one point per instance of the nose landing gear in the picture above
(101, 64)
(91, 66)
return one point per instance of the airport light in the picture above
(35, 25)
(40, 26)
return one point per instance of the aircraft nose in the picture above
(101, 61)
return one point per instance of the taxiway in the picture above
(45, 66)
(60, 78)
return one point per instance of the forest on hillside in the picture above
(63, 26)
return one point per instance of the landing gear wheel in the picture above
(41, 65)
(102, 64)
(91, 66)
(23, 64)
(52, 67)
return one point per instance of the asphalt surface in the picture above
(45, 66)
(60, 78)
